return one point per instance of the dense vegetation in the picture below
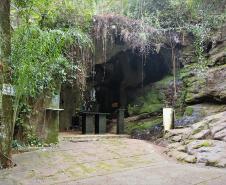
(52, 40)
(44, 31)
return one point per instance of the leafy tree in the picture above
(41, 44)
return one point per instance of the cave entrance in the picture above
(116, 83)
(119, 81)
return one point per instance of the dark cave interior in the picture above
(118, 80)
(117, 83)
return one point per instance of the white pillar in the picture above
(168, 118)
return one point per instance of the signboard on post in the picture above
(55, 102)
(8, 89)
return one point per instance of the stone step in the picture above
(84, 138)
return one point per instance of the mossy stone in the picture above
(188, 111)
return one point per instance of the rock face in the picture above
(205, 81)
(211, 86)
(195, 113)
(203, 142)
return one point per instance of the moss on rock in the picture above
(188, 111)
(153, 99)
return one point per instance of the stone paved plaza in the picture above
(106, 161)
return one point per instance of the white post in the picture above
(168, 118)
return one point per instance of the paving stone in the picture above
(113, 161)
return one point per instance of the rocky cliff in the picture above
(200, 133)
(204, 140)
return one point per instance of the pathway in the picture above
(112, 161)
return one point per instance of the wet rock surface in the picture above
(151, 134)
(203, 142)
(196, 113)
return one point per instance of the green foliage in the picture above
(17, 144)
(32, 11)
(24, 114)
(49, 43)
(178, 13)
(38, 59)
(201, 34)
(32, 140)
(199, 17)
(41, 42)
(56, 13)
(75, 13)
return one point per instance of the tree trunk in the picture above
(6, 103)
